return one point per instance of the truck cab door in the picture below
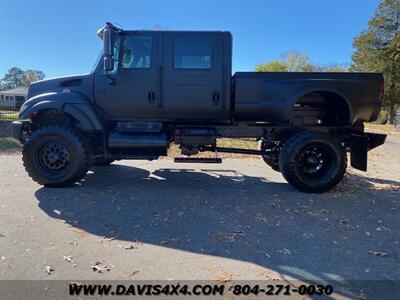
(193, 77)
(133, 91)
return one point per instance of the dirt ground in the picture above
(234, 221)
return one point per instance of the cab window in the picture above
(136, 52)
(192, 52)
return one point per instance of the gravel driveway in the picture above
(238, 220)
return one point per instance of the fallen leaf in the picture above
(99, 267)
(220, 236)
(169, 241)
(49, 269)
(225, 277)
(379, 253)
(68, 258)
(285, 251)
(133, 273)
(381, 228)
(130, 246)
(2, 235)
(79, 232)
(263, 218)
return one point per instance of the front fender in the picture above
(73, 104)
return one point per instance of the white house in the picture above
(13, 98)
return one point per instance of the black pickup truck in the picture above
(150, 89)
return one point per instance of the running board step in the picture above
(200, 160)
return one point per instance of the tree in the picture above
(293, 61)
(17, 77)
(272, 66)
(296, 61)
(332, 68)
(13, 78)
(377, 49)
(33, 75)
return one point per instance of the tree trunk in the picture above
(392, 112)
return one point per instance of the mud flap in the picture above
(360, 144)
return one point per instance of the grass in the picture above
(238, 143)
(174, 150)
(8, 115)
(387, 128)
(9, 145)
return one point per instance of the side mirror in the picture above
(108, 50)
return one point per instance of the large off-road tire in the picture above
(56, 156)
(101, 161)
(312, 162)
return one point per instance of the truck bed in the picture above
(271, 96)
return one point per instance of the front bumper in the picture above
(17, 130)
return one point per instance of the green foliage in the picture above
(13, 78)
(33, 75)
(272, 66)
(296, 61)
(331, 68)
(377, 49)
(17, 77)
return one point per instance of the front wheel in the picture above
(56, 156)
(312, 162)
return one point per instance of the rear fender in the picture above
(292, 99)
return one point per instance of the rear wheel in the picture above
(313, 162)
(56, 156)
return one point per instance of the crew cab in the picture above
(151, 89)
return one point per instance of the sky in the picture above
(59, 37)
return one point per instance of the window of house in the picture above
(192, 52)
(136, 52)
(7, 98)
(1, 97)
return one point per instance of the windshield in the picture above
(99, 56)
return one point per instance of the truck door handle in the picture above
(215, 98)
(151, 96)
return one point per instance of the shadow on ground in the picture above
(330, 237)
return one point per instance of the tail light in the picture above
(381, 92)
